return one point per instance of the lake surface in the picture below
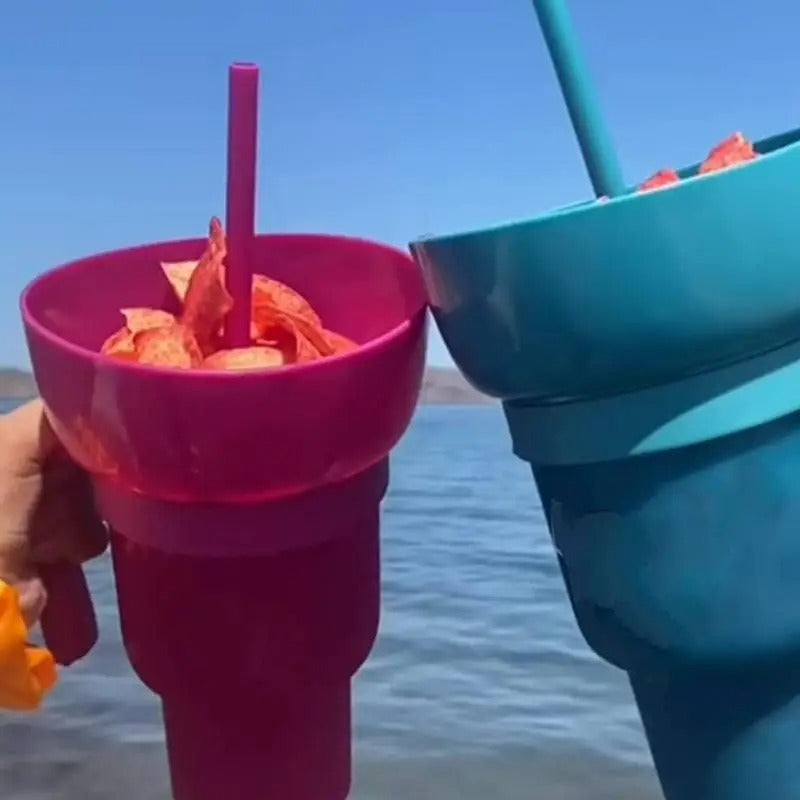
(479, 687)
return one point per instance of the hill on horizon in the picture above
(441, 386)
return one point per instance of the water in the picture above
(479, 687)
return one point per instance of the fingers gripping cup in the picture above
(244, 504)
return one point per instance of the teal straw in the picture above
(576, 86)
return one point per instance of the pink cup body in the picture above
(255, 680)
(244, 506)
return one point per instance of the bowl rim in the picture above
(773, 147)
(100, 360)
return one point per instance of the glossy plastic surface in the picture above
(682, 568)
(724, 735)
(215, 436)
(696, 409)
(240, 198)
(597, 299)
(244, 506)
(69, 623)
(253, 653)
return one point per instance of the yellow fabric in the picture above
(26, 673)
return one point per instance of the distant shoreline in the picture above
(447, 387)
(441, 386)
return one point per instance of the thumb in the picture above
(26, 441)
(28, 437)
(32, 598)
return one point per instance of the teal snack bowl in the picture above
(601, 298)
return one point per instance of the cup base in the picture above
(724, 736)
(289, 746)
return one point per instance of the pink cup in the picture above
(244, 506)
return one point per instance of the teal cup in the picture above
(647, 352)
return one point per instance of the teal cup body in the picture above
(647, 353)
(683, 568)
(675, 515)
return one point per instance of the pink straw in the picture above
(241, 211)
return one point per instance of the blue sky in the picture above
(383, 120)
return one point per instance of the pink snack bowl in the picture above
(184, 435)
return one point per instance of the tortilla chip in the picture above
(284, 327)
(304, 350)
(266, 291)
(178, 274)
(339, 344)
(243, 358)
(662, 178)
(142, 319)
(736, 149)
(169, 346)
(207, 300)
(120, 345)
(270, 293)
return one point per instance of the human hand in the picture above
(47, 516)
